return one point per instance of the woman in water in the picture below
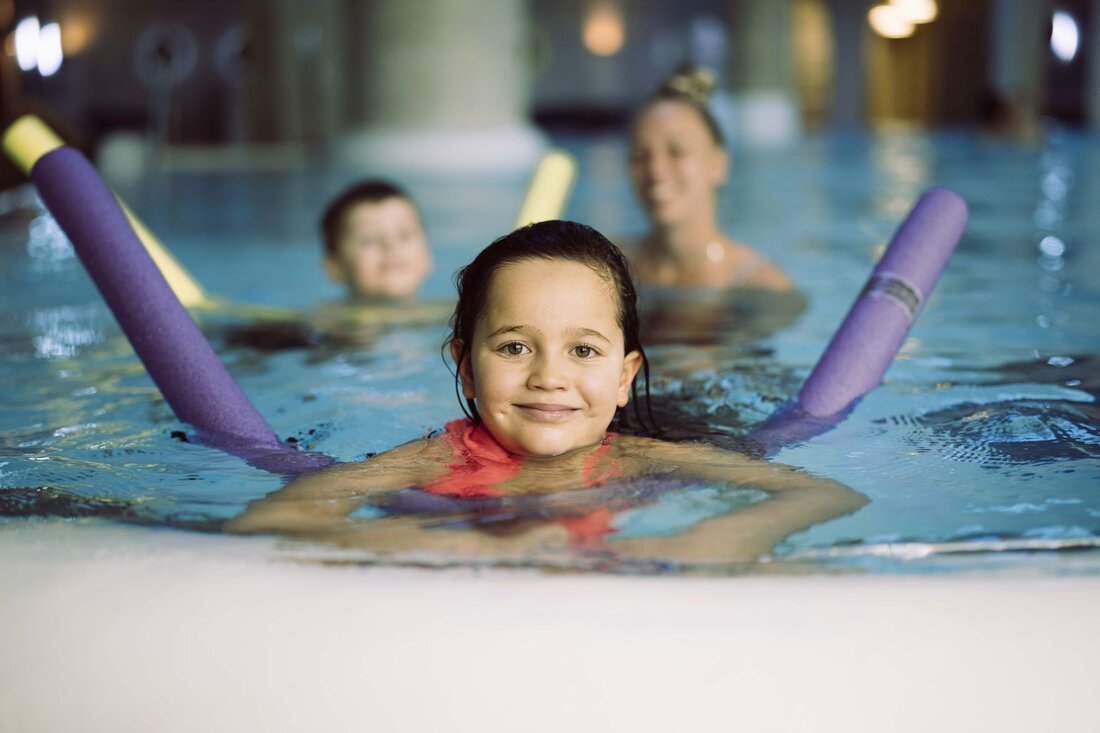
(545, 340)
(678, 163)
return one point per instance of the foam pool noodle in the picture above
(548, 192)
(181, 363)
(876, 325)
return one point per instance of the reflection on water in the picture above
(1020, 423)
(707, 318)
(47, 246)
(1008, 434)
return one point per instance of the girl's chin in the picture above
(551, 451)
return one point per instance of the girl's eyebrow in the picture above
(505, 329)
(581, 331)
(575, 331)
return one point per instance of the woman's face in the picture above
(675, 164)
(546, 365)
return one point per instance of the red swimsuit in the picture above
(478, 464)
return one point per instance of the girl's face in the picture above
(382, 251)
(547, 366)
(675, 164)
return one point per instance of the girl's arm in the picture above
(321, 501)
(718, 465)
(407, 538)
(316, 507)
(798, 501)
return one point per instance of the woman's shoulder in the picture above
(752, 269)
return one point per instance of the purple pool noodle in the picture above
(178, 358)
(867, 340)
(876, 325)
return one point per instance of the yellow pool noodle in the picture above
(549, 189)
(29, 138)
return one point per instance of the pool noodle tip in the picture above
(28, 138)
(548, 192)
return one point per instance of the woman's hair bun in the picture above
(694, 82)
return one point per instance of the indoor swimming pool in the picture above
(962, 596)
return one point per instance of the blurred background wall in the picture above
(481, 82)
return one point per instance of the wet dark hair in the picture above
(692, 86)
(369, 191)
(550, 240)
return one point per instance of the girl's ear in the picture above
(464, 372)
(632, 362)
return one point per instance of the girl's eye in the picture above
(514, 348)
(584, 351)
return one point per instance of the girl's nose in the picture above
(548, 372)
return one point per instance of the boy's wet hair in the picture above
(691, 85)
(550, 240)
(370, 191)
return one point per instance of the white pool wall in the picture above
(117, 629)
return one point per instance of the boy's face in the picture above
(382, 251)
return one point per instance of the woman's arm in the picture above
(321, 501)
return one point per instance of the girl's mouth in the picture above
(546, 412)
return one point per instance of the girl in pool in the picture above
(545, 339)
(678, 162)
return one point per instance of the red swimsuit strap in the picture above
(479, 463)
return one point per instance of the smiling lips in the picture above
(658, 194)
(547, 412)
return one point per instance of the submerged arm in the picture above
(321, 501)
(797, 501)
(316, 507)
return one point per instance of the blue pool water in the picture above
(981, 448)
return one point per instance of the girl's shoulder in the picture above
(677, 455)
(408, 464)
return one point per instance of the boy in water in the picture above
(374, 242)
